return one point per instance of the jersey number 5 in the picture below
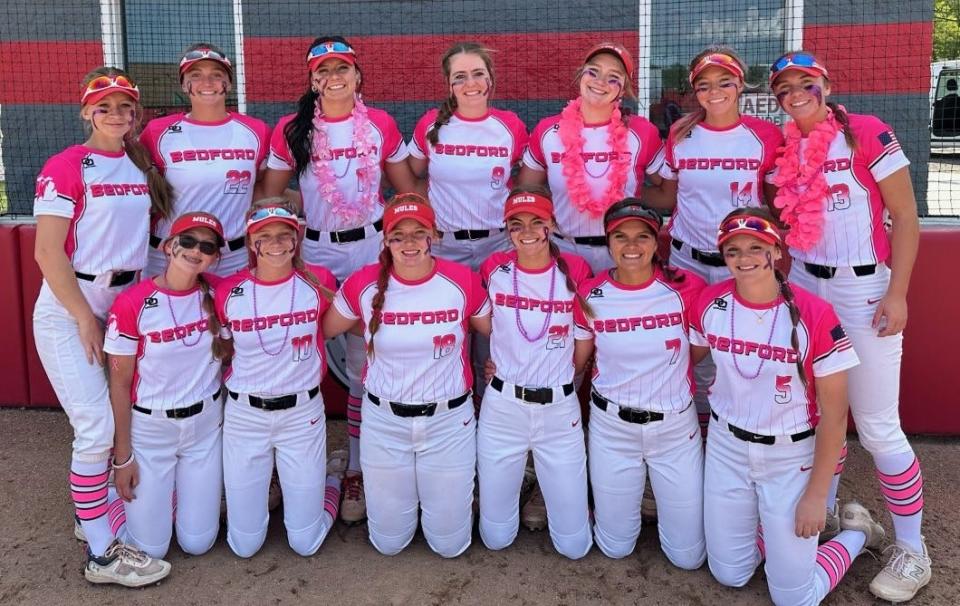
(784, 393)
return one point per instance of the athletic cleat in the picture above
(125, 565)
(337, 463)
(78, 533)
(648, 505)
(534, 512)
(905, 574)
(832, 527)
(855, 516)
(275, 494)
(353, 508)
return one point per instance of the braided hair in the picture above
(298, 131)
(385, 261)
(449, 105)
(784, 285)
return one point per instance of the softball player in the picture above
(274, 408)
(469, 150)
(835, 195)
(418, 446)
(716, 161)
(92, 205)
(165, 352)
(778, 422)
(594, 153)
(531, 404)
(213, 158)
(638, 321)
(340, 150)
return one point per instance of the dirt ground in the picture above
(41, 562)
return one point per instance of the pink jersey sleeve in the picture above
(878, 146)
(347, 300)
(583, 328)
(669, 168)
(419, 146)
(122, 336)
(690, 290)
(477, 302)
(832, 350)
(490, 265)
(150, 138)
(393, 148)
(579, 268)
(59, 186)
(650, 158)
(280, 156)
(701, 303)
(222, 292)
(262, 131)
(517, 129)
(533, 157)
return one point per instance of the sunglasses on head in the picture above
(329, 47)
(203, 53)
(270, 211)
(756, 224)
(721, 60)
(101, 83)
(796, 60)
(189, 242)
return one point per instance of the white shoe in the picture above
(832, 527)
(855, 516)
(534, 512)
(337, 463)
(125, 565)
(78, 532)
(905, 574)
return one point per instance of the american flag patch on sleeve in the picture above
(889, 142)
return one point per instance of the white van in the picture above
(945, 107)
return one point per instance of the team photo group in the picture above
(195, 266)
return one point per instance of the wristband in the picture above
(127, 463)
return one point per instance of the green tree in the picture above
(946, 29)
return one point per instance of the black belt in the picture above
(534, 395)
(630, 415)
(419, 410)
(119, 278)
(472, 234)
(749, 436)
(276, 402)
(826, 272)
(585, 240)
(711, 259)
(346, 235)
(180, 413)
(235, 244)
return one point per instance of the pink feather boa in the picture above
(803, 188)
(574, 167)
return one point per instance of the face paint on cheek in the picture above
(189, 88)
(223, 88)
(429, 245)
(780, 98)
(816, 91)
(769, 263)
(486, 91)
(257, 246)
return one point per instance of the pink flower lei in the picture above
(353, 213)
(574, 167)
(803, 187)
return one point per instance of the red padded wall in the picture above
(41, 392)
(13, 372)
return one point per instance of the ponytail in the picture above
(844, 121)
(161, 193)
(300, 267)
(669, 272)
(565, 270)
(682, 127)
(383, 279)
(788, 297)
(298, 131)
(447, 108)
(222, 348)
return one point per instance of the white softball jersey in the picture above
(168, 332)
(523, 298)
(212, 166)
(545, 151)
(758, 387)
(420, 352)
(641, 336)
(344, 163)
(277, 331)
(718, 170)
(107, 200)
(469, 170)
(854, 232)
